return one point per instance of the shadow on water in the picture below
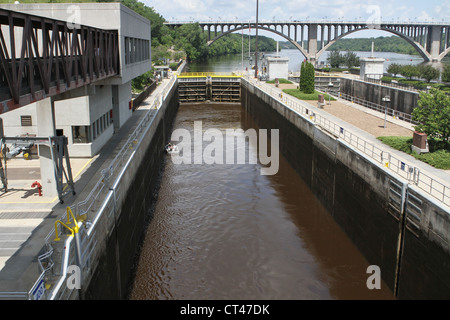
(224, 231)
(341, 265)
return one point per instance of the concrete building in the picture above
(89, 115)
(371, 67)
(275, 67)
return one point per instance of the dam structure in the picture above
(394, 209)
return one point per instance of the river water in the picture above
(224, 231)
(241, 61)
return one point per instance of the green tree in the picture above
(334, 58)
(410, 71)
(156, 20)
(428, 73)
(192, 40)
(394, 68)
(302, 76)
(159, 53)
(350, 59)
(433, 115)
(446, 73)
(307, 77)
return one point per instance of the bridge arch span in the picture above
(300, 48)
(266, 27)
(420, 49)
(432, 41)
(443, 54)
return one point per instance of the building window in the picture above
(80, 134)
(26, 121)
(136, 50)
(94, 131)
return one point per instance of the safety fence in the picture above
(209, 74)
(82, 221)
(396, 85)
(425, 181)
(388, 111)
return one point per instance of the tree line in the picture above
(187, 41)
(335, 59)
(423, 71)
(381, 44)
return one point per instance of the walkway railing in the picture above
(96, 205)
(60, 255)
(396, 85)
(209, 74)
(377, 107)
(423, 180)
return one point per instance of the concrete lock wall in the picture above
(133, 196)
(413, 254)
(401, 100)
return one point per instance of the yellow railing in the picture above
(209, 74)
(72, 230)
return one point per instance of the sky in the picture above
(348, 10)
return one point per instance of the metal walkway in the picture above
(41, 57)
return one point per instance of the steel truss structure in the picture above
(42, 57)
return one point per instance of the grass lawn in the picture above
(305, 96)
(280, 80)
(439, 159)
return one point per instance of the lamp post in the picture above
(330, 85)
(386, 100)
(256, 42)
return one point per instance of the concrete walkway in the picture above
(27, 218)
(368, 124)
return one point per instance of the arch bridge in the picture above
(312, 38)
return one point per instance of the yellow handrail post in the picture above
(70, 213)
(57, 238)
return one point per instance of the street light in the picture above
(387, 100)
(330, 85)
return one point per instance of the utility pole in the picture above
(256, 42)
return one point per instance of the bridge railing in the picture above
(425, 181)
(317, 21)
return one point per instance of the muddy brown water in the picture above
(224, 231)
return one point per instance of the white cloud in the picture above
(302, 9)
(442, 11)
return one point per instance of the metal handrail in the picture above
(85, 206)
(208, 74)
(437, 189)
(371, 105)
(395, 164)
(316, 21)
